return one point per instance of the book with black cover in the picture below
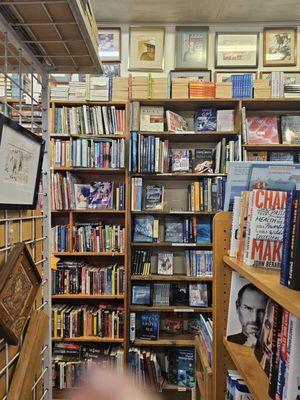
(182, 367)
(205, 119)
(179, 294)
(203, 161)
(150, 322)
(153, 197)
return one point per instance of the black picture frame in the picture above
(10, 167)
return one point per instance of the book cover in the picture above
(281, 156)
(294, 256)
(173, 325)
(161, 294)
(262, 129)
(150, 323)
(194, 325)
(203, 161)
(258, 156)
(173, 230)
(153, 197)
(182, 367)
(82, 196)
(141, 294)
(205, 120)
(165, 263)
(244, 327)
(274, 361)
(198, 296)
(179, 294)
(285, 176)
(204, 229)
(152, 118)
(225, 120)
(180, 160)
(143, 228)
(101, 195)
(175, 122)
(290, 129)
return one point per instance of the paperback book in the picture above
(198, 295)
(145, 229)
(141, 294)
(290, 129)
(150, 323)
(175, 122)
(205, 120)
(165, 263)
(173, 230)
(101, 195)
(153, 197)
(262, 129)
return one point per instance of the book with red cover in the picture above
(262, 129)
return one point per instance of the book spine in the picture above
(274, 362)
(294, 265)
(288, 227)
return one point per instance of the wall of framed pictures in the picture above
(220, 48)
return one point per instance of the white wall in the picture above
(170, 44)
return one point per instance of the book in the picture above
(161, 294)
(153, 197)
(258, 156)
(173, 230)
(141, 294)
(275, 176)
(173, 325)
(292, 390)
(281, 156)
(101, 195)
(274, 359)
(225, 120)
(175, 122)
(205, 120)
(262, 129)
(204, 229)
(181, 160)
(152, 118)
(242, 328)
(179, 294)
(198, 296)
(82, 196)
(290, 129)
(293, 248)
(150, 322)
(181, 367)
(165, 263)
(203, 161)
(144, 230)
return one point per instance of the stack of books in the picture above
(224, 90)
(201, 90)
(77, 88)
(159, 88)
(180, 88)
(277, 84)
(242, 86)
(262, 89)
(139, 87)
(120, 89)
(2, 87)
(98, 88)
(59, 92)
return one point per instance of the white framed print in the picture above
(109, 44)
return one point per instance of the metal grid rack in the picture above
(32, 227)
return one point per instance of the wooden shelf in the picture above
(88, 297)
(172, 175)
(195, 137)
(248, 366)
(94, 339)
(168, 278)
(190, 104)
(171, 309)
(268, 282)
(272, 147)
(179, 213)
(93, 170)
(90, 211)
(168, 245)
(65, 136)
(88, 254)
(66, 102)
(167, 340)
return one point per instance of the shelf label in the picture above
(184, 310)
(181, 389)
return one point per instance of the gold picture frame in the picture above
(280, 47)
(146, 48)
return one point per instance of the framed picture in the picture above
(21, 156)
(109, 40)
(199, 75)
(236, 50)
(280, 47)
(20, 282)
(111, 69)
(146, 48)
(191, 47)
(225, 76)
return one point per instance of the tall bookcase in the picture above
(109, 216)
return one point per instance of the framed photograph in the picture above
(109, 46)
(225, 76)
(19, 283)
(111, 69)
(21, 157)
(191, 47)
(236, 50)
(280, 47)
(146, 48)
(204, 76)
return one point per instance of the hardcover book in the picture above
(161, 294)
(152, 118)
(173, 230)
(150, 322)
(198, 296)
(205, 120)
(179, 294)
(153, 197)
(262, 130)
(290, 129)
(204, 229)
(173, 325)
(141, 294)
(181, 160)
(175, 122)
(101, 195)
(165, 263)
(82, 196)
(204, 161)
(143, 229)
(181, 367)
(278, 176)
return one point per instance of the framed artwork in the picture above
(21, 157)
(191, 47)
(280, 47)
(146, 48)
(236, 50)
(111, 69)
(20, 282)
(225, 76)
(201, 75)
(109, 44)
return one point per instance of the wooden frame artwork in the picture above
(280, 47)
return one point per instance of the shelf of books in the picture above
(179, 159)
(90, 198)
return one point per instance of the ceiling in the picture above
(196, 11)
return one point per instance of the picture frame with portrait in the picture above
(236, 50)
(146, 48)
(191, 47)
(280, 47)
(109, 44)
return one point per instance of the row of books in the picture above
(88, 153)
(89, 120)
(176, 229)
(175, 294)
(207, 195)
(274, 336)
(99, 237)
(152, 369)
(77, 277)
(265, 129)
(236, 387)
(260, 155)
(60, 238)
(77, 321)
(205, 334)
(68, 195)
(197, 262)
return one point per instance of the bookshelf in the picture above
(72, 217)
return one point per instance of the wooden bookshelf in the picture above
(88, 339)
(170, 278)
(173, 212)
(173, 309)
(88, 254)
(88, 297)
(168, 340)
(175, 175)
(167, 244)
(194, 137)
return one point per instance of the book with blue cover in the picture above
(181, 367)
(205, 120)
(204, 229)
(150, 323)
(143, 229)
(141, 295)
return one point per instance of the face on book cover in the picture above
(251, 308)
